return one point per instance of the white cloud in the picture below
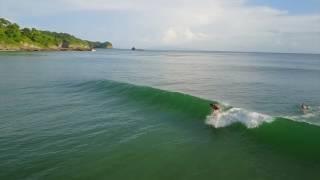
(204, 24)
(174, 35)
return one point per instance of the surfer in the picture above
(304, 108)
(215, 108)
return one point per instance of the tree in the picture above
(4, 23)
(2, 33)
(35, 35)
(26, 32)
(13, 31)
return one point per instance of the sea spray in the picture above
(311, 117)
(234, 115)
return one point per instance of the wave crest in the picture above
(188, 105)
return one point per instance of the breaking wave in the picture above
(238, 115)
(185, 104)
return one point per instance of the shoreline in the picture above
(43, 50)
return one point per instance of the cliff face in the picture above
(14, 38)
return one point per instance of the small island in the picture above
(12, 38)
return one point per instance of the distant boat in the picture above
(133, 48)
(93, 50)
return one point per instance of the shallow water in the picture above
(116, 114)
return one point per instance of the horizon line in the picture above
(215, 51)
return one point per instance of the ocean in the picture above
(120, 114)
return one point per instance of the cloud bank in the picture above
(234, 25)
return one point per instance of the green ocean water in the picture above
(117, 114)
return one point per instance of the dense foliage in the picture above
(12, 37)
(100, 44)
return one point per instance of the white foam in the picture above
(312, 117)
(234, 115)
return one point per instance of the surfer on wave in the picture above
(215, 109)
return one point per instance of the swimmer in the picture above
(304, 108)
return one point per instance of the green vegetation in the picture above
(100, 44)
(14, 38)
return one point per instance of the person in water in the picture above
(215, 108)
(304, 108)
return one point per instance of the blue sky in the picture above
(233, 25)
(292, 6)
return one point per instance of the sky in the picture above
(216, 25)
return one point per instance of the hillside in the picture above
(12, 37)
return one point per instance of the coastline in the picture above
(14, 38)
(42, 50)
